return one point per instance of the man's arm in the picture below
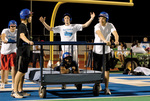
(116, 37)
(89, 21)
(100, 35)
(74, 70)
(45, 24)
(3, 38)
(24, 38)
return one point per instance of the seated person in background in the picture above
(145, 44)
(121, 52)
(112, 44)
(137, 49)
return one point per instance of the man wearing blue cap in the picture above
(8, 52)
(102, 32)
(68, 32)
(23, 53)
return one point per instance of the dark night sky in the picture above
(129, 21)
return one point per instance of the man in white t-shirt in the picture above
(8, 52)
(102, 32)
(68, 32)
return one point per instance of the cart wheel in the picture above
(42, 92)
(128, 65)
(79, 87)
(96, 90)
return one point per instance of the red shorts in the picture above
(8, 61)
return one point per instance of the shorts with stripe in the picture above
(8, 61)
(22, 64)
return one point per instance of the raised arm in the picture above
(45, 24)
(89, 21)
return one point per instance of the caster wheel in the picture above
(42, 92)
(96, 90)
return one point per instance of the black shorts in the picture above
(98, 61)
(22, 64)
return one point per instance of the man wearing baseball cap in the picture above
(23, 53)
(102, 32)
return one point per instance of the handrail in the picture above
(64, 43)
(61, 43)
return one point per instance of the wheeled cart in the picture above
(47, 76)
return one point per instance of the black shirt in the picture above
(22, 50)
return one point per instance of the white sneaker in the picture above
(107, 91)
(24, 93)
(16, 95)
(2, 86)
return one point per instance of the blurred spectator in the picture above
(136, 48)
(113, 44)
(145, 44)
(122, 52)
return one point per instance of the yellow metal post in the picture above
(52, 25)
(131, 1)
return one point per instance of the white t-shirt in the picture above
(144, 44)
(8, 48)
(106, 31)
(68, 33)
(136, 49)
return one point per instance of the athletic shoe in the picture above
(2, 86)
(16, 95)
(24, 93)
(107, 91)
(12, 93)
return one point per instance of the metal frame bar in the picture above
(116, 3)
(66, 43)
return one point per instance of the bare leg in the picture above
(106, 79)
(20, 88)
(18, 78)
(2, 76)
(13, 73)
(3, 80)
(107, 91)
(6, 73)
(122, 58)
